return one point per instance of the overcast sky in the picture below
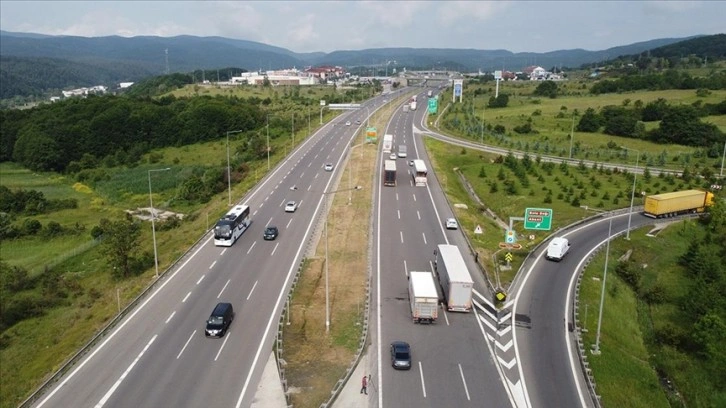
(304, 26)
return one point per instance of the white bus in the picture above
(234, 223)
(419, 173)
(387, 143)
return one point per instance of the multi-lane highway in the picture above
(452, 362)
(158, 355)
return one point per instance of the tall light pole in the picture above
(153, 226)
(596, 351)
(327, 290)
(572, 133)
(632, 196)
(268, 141)
(229, 172)
(350, 172)
(293, 131)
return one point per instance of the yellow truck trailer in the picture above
(679, 202)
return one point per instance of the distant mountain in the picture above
(117, 59)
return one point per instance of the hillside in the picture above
(33, 64)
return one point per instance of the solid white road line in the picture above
(123, 376)
(186, 344)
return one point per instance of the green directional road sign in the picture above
(538, 219)
(433, 106)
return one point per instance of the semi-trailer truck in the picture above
(679, 202)
(389, 173)
(454, 278)
(423, 297)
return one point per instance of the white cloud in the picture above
(458, 12)
(394, 13)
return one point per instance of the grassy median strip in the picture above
(317, 359)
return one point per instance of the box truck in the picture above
(423, 297)
(454, 278)
(679, 202)
(389, 173)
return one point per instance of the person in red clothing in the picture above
(364, 385)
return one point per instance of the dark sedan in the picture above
(401, 355)
(270, 233)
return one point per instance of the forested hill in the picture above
(35, 64)
(712, 47)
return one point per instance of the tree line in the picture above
(679, 124)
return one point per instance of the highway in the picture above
(158, 356)
(546, 347)
(452, 364)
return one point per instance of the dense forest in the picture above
(117, 130)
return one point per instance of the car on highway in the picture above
(392, 156)
(401, 355)
(328, 167)
(357, 122)
(410, 162)
(347, 123)
(270, 233)
(451, 223)
(219, 320)
(291, 206)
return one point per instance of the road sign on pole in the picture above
(510, 237)
(538, 219)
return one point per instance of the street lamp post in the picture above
(572, 133)
(293, 131)
(327, 291)
(153, 226)
(596, 350)
(229, 172)
(632, 196)
(268, 141)
(350, 173)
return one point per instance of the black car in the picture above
(270, 233)
(219, 320)
(401, 355)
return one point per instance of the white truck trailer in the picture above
(423, 297)
(454, 277)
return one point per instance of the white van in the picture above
(557, 249)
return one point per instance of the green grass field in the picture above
(627, 371)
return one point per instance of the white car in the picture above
(347, 123)
(328, 167)
(291, 206)
(392, 156)
(451, 223)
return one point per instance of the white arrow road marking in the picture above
(508, 365)
(504, 331)
(505, 347)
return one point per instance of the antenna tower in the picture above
(166, 59)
